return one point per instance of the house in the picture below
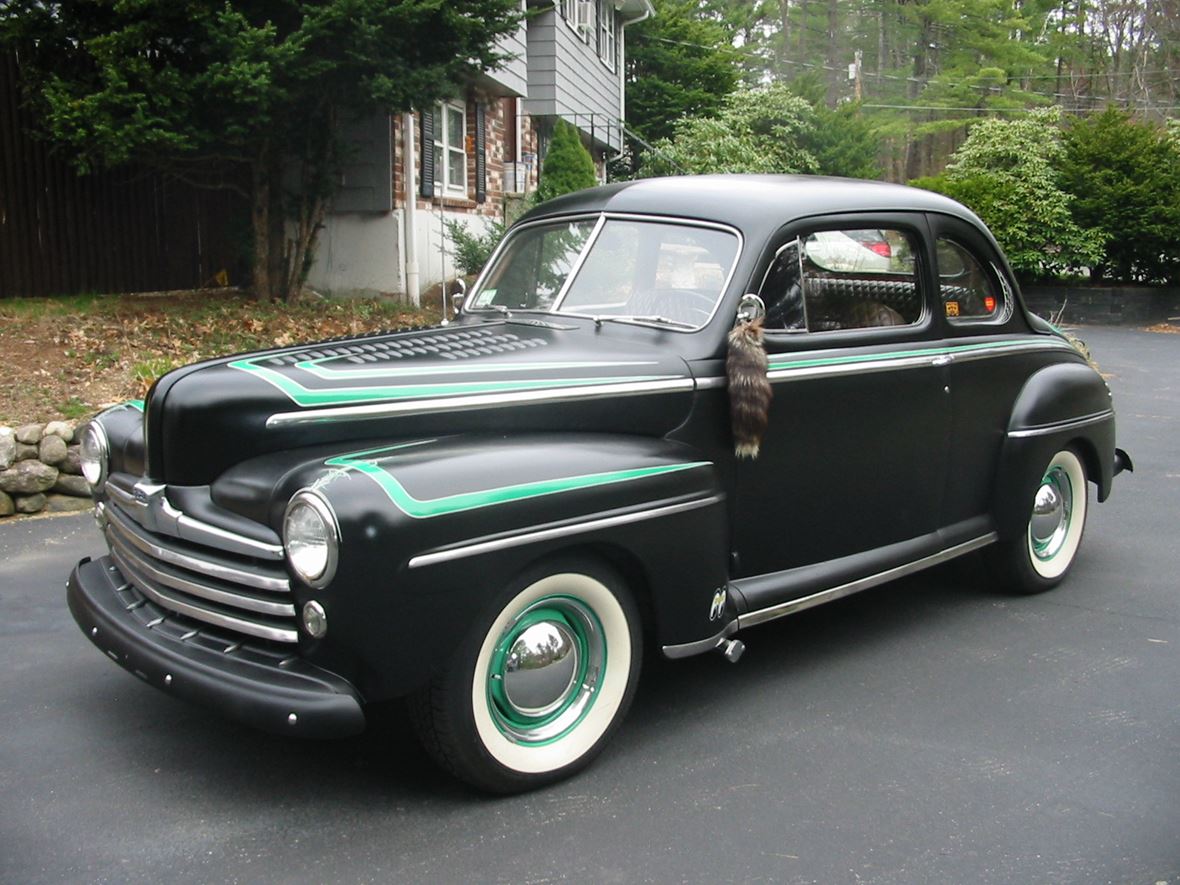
(463, 160)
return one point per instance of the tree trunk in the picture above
(260, 220)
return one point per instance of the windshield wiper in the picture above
(654, 319)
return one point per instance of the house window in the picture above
(569, 12)
(606, 33)
(450, 154)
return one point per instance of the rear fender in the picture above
(1060, 406)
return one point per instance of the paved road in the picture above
(927, 731)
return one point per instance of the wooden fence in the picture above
(121, 231)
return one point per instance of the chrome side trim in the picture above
(931, 356)
(193, 588)
(565, 531)
(858, 368)
(475, 401)
(132, 535)
(159, 597)
(716, 382)
(1060, 426)
(688, 649)
(830, 595)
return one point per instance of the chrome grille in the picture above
(245, 594)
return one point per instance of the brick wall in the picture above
(498, 141)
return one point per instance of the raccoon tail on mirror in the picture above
(749, 388)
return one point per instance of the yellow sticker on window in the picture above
(952, 308)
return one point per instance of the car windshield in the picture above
(619, 269)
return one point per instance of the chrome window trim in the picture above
(476, 401)
(1061, 426)
(833, 593)
(250, 628)
(533, 536)
(128, 532)
(602, 217)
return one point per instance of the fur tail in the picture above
(749, 388)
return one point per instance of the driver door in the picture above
(853, 463)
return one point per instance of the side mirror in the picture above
(750, 308)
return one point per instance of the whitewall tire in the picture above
(537, 689)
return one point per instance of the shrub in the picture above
(472, 251)
(1125, 180)
(568, 166)
(1007, 172)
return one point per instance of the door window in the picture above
(850, 278)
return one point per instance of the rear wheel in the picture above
(1044, 554)
(537, 688)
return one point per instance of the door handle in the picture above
(943, 359)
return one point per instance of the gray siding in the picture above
(513, 78)
(566, 78)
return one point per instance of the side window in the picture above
(968, 290)
(853, 278)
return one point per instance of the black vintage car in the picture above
(669, 410)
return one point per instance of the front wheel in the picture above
(1040, 558)
(536, 690)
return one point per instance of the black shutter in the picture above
(481, 164)
(426, 173)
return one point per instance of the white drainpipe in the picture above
(409, 174)
(647, 13)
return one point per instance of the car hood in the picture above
(487, 377)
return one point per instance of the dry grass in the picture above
(69, 357)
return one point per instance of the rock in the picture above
(64, 430)
(31, 503)
(28, 478)
(66, 504)
(7, 507)
(24, 452)
(7, 448)
(30, 434)
(73, 462)
(72, 485)
(52, 450)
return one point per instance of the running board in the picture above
(793, 606)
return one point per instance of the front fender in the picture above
(432, 530)
(1061, 405)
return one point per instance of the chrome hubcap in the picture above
(545, 670)
(1049, 526)
(540, 670)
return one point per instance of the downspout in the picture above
(409, 175)
(648, 12)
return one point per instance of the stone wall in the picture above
(1104, 305)
(39, 470)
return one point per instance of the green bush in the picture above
(568, 166)
(1125, 180)
(472, 251)
(1008, 173)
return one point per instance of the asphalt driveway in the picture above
(926, 731)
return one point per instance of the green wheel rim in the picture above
(575, 620)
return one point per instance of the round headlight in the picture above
(311, 538)
(93, 454)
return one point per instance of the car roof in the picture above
(751, 203)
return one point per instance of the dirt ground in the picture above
(70, 357)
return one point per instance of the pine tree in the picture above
(568, 166)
